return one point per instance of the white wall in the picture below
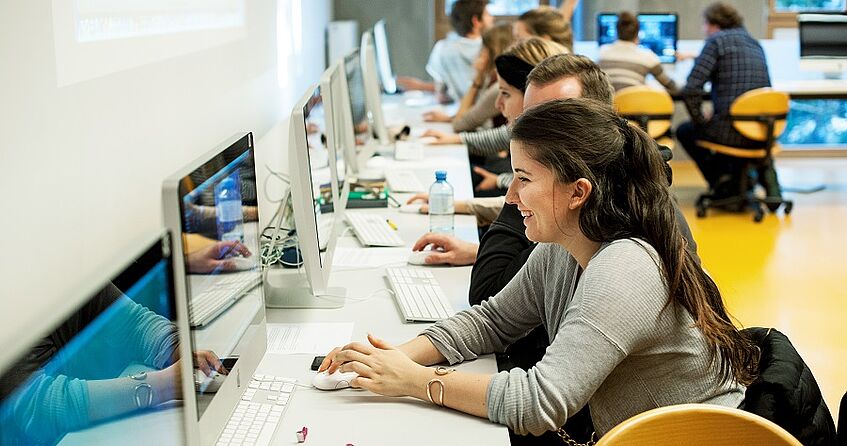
(81, 164)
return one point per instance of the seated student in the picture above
(559, 77)
(547, 23)
(635, 323)
(734, 62)
(478, 107)
(626, 63)
(451, 59)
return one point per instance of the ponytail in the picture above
(583, 138)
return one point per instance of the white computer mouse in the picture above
(208, 384)
(335, 381)
(414, 208)
(419, 257)
(242, 263)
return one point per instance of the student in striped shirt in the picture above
(626, 63)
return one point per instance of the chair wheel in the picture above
(701, 211)
(788, 207)
(758, 215)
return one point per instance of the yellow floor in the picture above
(790, 272)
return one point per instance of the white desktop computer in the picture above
(373, 92)
(383, 58)
(318, 220)
(106, 371)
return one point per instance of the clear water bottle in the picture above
(230, 219)
(441, 204)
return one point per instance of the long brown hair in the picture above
(548, 21)
(496, 40)
(584, 138)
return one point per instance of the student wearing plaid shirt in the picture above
(734, 62)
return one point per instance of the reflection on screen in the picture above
(657, 33)
(221, 248)
(109, 369)
(356, 91)
(315, 123)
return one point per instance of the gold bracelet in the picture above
(440, 391)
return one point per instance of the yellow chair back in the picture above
(760, 102)
(697, 424)
(643, 100)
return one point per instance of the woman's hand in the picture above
(442, 137)
(437, 116)
(447, 250)
(381, 367)
(423, 198)
(207, 361)
(489, 180)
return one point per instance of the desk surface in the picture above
(361, 417)
(783, 58)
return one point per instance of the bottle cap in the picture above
(440, 175)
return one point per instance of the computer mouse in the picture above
(208, 384)
(335, 381)
(419, 257)
(242, 263)
(414, 208)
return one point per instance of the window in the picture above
(809, 5)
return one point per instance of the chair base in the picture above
(741, 203)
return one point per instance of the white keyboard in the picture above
(408, 150)
(373, 229)
(257, 415)
(419, 295)
(403, 181)
(221, 292)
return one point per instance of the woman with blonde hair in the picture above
(547, 23)
(478, 105)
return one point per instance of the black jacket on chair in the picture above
(786, 392)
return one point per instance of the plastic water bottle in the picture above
(441, 204)
(229, 216)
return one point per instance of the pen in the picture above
(391, 223)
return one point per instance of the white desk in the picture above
(361, 417)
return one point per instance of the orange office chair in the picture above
(697, 424)
(759, 115)
(649, 108)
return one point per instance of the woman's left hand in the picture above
(382, 368)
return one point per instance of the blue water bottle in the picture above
(441, 204)
(229, 216)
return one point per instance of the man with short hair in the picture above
(451, 59)
(734, 62)
(626, 63)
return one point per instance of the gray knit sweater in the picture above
(611, 345)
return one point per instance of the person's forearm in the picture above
(115, 397)
(465, 392)
(422, 351)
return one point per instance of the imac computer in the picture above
(106, 372)
(373, 93)
(823, 43)
(383, 59)
(657, 32)
(333, 92)
(315, 225)
(210, 207)
(354, 134)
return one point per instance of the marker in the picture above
(391, 223)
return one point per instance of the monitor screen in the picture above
(356, 92)
(823, 35)
(108, 373)
(657, 33)
(383, 59)
(219, 226)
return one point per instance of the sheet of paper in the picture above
(361, 258)
(311, 338)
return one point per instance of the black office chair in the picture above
(759, 115)
(842, 422)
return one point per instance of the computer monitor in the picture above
(107, 371)
(383, 58)
(210, 206)
(333, 91)
(657, 32)
(823, 43)
(314, 225)
(373, 93)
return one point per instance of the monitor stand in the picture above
(290, 289)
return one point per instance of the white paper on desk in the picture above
(311, 338)
(367, 258)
